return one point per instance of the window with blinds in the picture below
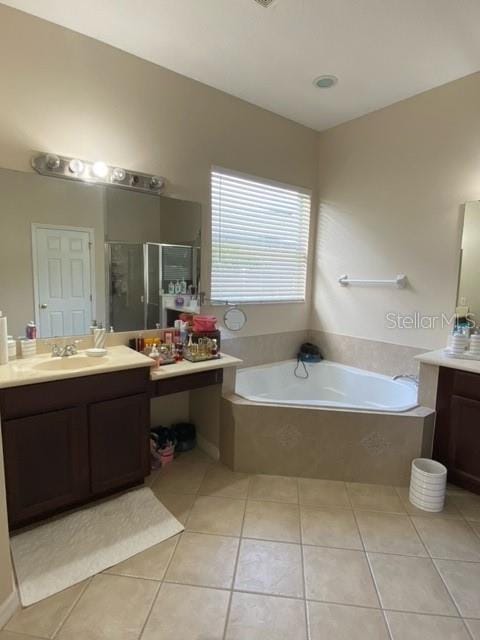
(259, 239)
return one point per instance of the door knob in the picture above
(43, 306)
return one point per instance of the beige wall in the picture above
(392, 185)
(64, 92)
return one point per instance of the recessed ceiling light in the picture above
(325, 82)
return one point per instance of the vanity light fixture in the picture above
(76, 166)
(100, 169)
(98, 172)
(119, 174)
(52, 161)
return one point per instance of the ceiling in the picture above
(381, 50)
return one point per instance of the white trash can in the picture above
(428, 483)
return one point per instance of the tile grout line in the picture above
(304, 580)
(471, 524)
(77, 600)
(441, 577)
(161, 582)
(467, 628)
(372, 576)
(235, 567)
(154, 600)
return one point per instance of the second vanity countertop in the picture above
(44, 368)
(184, 367)
(440, 359)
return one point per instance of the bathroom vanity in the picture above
(76, 429)
(72, 434)
(457, 427)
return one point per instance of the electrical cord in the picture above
(299, 360)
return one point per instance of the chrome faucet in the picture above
(407, 376)
(65, 351)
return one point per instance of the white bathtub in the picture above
(329, 385)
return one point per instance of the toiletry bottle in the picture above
(178, 351)
(183, 286)
(177, 286)
(3, 340)
(214, 348)
(31, 330)
(155, 356)
(12, 348)
(171, 288)
(178, 327)
(99, 337)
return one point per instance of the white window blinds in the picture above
(259, 239)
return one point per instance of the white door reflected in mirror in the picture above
(62, 279)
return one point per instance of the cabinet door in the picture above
(119, 442)
(464, 442)
(46, 463)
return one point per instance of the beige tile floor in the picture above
(272, 558)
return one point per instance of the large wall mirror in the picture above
(468, 298)
(72, 253)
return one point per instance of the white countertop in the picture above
(440, 359)
(184, 367)
(43, 368)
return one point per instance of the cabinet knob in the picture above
(43, 306)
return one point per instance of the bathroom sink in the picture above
(71, 363)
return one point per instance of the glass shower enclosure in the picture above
(138, 277)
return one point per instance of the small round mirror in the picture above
(234, 319)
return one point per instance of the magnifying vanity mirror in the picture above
(234, 319)
(468, 296)
(72, 253)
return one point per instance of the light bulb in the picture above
(118, 174)
(156, 183)
(52, 161)
(100, 169)
(76, 166)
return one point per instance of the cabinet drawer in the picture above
(186, 382)
(28, 400)
(467, 385)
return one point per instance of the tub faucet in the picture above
(407, 376)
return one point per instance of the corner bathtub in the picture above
(328, 385)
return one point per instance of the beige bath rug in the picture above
(64, 551)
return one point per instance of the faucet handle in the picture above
(56, 350)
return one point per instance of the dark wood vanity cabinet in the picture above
(46, 462)
(457, 427)
(71, 441)
(116, 430)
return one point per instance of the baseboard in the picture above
(8, 608)
(209, 448)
